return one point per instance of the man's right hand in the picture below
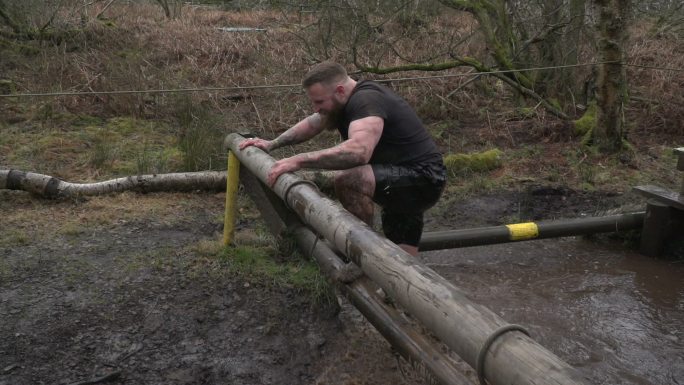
(256, 142)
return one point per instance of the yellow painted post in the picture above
(232, 179)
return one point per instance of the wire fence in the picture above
(281, 86)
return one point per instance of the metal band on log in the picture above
(461, 324)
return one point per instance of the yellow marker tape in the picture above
(520, 231)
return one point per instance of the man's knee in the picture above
(345, 179)
(354, 180)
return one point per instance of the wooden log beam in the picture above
(680, 166)
(412, 345)
(47, 186)
(511, 358)
(451, 239)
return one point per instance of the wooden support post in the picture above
(680, 166)
(232, 184)
(655, 230)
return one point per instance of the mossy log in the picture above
(49, 187)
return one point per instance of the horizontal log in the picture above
(464, 326)
(451, 239)
(50, 187)
(412, 345)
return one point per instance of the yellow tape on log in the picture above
(520, 231)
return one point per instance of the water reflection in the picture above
(615, 315)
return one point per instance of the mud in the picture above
(128, 297)
(131, 299)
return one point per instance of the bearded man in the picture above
(386, 156)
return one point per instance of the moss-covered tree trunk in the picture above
(612, 79)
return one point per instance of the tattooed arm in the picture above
(364, 135)
(300, 132)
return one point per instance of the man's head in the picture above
(328, 73)
(328, 87)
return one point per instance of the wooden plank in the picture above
(656, 227)
(680, 162)
(665, 196)
(272, 209)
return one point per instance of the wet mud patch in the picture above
(122, 290)
(117, 286)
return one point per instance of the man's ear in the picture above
(339, 89)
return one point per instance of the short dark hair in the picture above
(326, 72)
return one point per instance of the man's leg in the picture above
(404, 195)
(354, 188)
(413, 250)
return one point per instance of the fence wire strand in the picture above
(280, 86)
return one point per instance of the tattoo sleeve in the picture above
(331, 159)
(297, 133)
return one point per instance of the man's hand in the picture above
(258, 143)
(280, 167)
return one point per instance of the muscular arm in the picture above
(300, 132)
(364, 135)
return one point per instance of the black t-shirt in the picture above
(405, 141)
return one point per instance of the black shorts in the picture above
(404, 195)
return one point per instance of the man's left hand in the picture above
(280, 167)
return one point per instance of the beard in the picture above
(332, 119)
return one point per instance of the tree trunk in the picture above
(612, 79)
(165, 6)
(49, 187)
(7, 19)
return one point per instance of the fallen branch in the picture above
(49, 187)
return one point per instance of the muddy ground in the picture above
(120, 289)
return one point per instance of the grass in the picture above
(257, 264)
(14, 237)
(258, 260)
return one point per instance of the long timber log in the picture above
(412, 345)
(450, 239)
(503, 354)
(47, 186)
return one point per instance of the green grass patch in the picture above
(259, 265)
(118, 146)
(14, 237)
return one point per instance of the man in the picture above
(387, 155)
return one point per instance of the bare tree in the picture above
(612, 94)
(517, 35)
(172, 8)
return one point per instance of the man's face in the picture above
(325, 99)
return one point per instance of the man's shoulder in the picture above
(368, 91)
(369, 85)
